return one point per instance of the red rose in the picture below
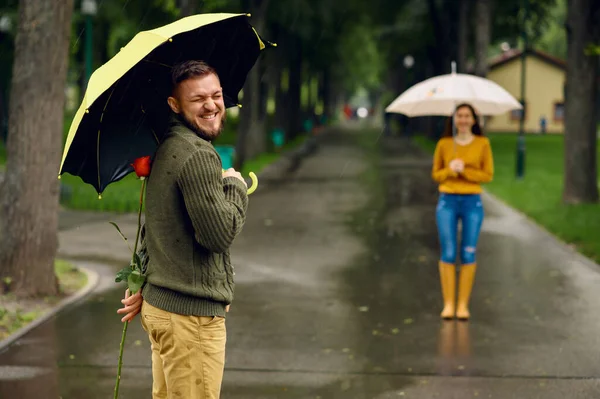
(141, 166)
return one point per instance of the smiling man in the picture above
(194, 211)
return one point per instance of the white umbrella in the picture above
(441, 94)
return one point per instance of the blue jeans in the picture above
(469, 210)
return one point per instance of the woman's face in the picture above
(464, 119)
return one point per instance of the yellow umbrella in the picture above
(124, 113)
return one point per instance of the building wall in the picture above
(544, 88)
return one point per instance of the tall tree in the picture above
(464, 22)
(583, 29)
(29, 192)
(483, 30)
(251, 138)
(188, 7)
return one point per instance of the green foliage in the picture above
(122, 196)
(592, 49)
(361, 62)
(11, 321)
(508, 19)
(553, 38)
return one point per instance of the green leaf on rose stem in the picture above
(123, 274)
(119, 230)
(137, 262)
(122, 235)
(135, 281)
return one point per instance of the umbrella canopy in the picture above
(441, 94)
(125, 114)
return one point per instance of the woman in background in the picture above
(461, 163)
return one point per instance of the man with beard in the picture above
(194, 211)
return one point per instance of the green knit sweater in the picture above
(192, 217)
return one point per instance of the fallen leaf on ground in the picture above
(408, 321)
(363, 309)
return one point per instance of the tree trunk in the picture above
(251, 139)
(437, 51)
(580, 184)
(264, 91)
(187, 7)
(325, 93)
(294, 91)
(30, 191)
(483, 28)
(463, 35)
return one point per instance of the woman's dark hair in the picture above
(476, 127)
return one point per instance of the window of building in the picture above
(559, 111)
(515, 114)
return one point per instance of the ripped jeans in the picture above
(469, 210)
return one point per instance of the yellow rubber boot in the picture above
(448, 281)
(465, 286)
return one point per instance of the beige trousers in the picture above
(188, 354)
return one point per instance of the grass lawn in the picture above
(17, 313)
(539, 193)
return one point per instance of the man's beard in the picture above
(201, 133)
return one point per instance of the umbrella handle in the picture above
(254, 184)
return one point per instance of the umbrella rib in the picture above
(155, 136)
(98, 138)
(152, 130)
(158, 63)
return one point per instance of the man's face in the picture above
(199, 100)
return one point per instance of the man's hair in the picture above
(190, 69)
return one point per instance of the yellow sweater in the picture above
(479, 165)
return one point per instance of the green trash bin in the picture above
(278, 138)
(226, 152)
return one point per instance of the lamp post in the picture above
(89, 9)
(409, 62)
(521, 140)
(5, 24)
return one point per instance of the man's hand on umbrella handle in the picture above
(252, 175)
(132, 305)
(234, 173)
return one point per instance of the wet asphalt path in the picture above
(338, 297)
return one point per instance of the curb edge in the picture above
(93, 280)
